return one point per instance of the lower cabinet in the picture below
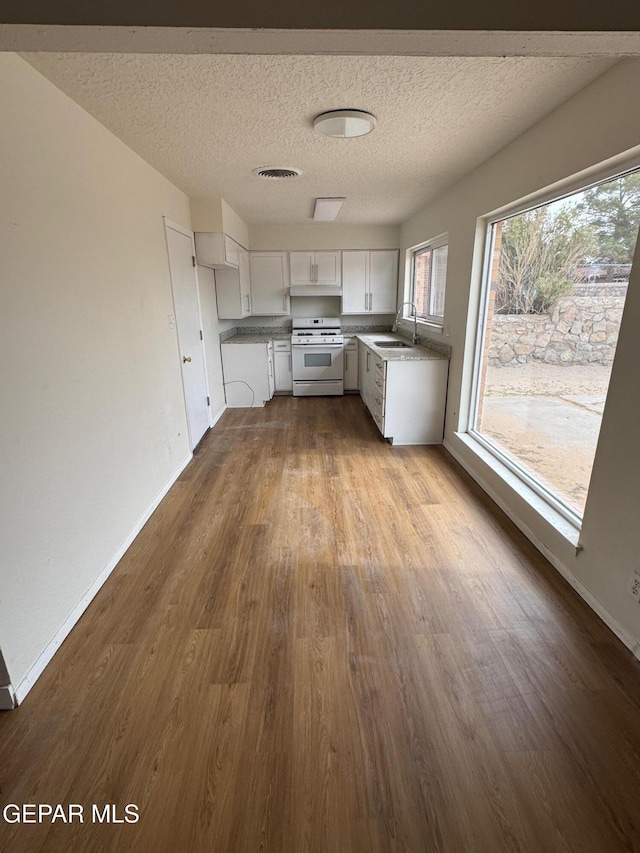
(248, 374)
(283, 367)
(406, 399)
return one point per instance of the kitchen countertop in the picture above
(417, 352)
(257, 339)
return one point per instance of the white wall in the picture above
(206, 214)
(234, 226)
(324, 235)
(598, 124)
(93, 424)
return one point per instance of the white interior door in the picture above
(188, 325)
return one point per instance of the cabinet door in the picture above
(383, 282)
(351, 369)
(245, 282)
(328, 268)
(302, 267)
(269, 283)
(369, 382)
(282, 363)
(214, 249)
(271, 373)
(245, 369)
(233, 303)
(355, 275)
(361, 364)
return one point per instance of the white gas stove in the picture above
(317, 347)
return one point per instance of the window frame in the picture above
(434, 321)
(618, 167)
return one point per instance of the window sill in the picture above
(567, 529)
(426, 325)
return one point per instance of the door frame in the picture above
(7, 693)
(175, 226)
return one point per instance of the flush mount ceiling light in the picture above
(327, 209)
(276, 172)
(344, 124)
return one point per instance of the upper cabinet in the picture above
(270, 283)
(217, 250)
(316, 268)
(233, 289)
(370, 281)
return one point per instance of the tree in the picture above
(613, 210)
(539, 258)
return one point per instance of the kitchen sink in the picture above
(391, 344)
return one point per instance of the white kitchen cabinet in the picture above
(351, 382)
(271, 377)
(282, 367)
(322, 268)
(369, 281)
(233, 289)
(216, 250)
(406, 399)
(366, 374)
(248, 374)
(269, 283)
(362, 360)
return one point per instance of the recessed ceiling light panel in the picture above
(276, 172)
(344, 124)
(326, 209)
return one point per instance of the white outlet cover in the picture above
(171, 320)
(633, 587)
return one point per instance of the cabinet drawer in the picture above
(282, 346)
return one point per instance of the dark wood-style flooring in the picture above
(323, 643)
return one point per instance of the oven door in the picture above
(317, 361)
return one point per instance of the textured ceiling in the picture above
(206, 122)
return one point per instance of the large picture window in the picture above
(554, 292)
(428, 280)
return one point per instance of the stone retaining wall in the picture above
(580, 329)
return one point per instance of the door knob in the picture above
(186, 358)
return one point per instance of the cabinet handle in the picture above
(290, 365)
(371, 302)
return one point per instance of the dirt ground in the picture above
(548, 417)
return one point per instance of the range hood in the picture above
(315, 290)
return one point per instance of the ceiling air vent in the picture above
(276, 172)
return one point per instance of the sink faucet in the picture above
(394, 328)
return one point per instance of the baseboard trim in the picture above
(7, 698)
(36, 670)
(607, 617)
(213, 420)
